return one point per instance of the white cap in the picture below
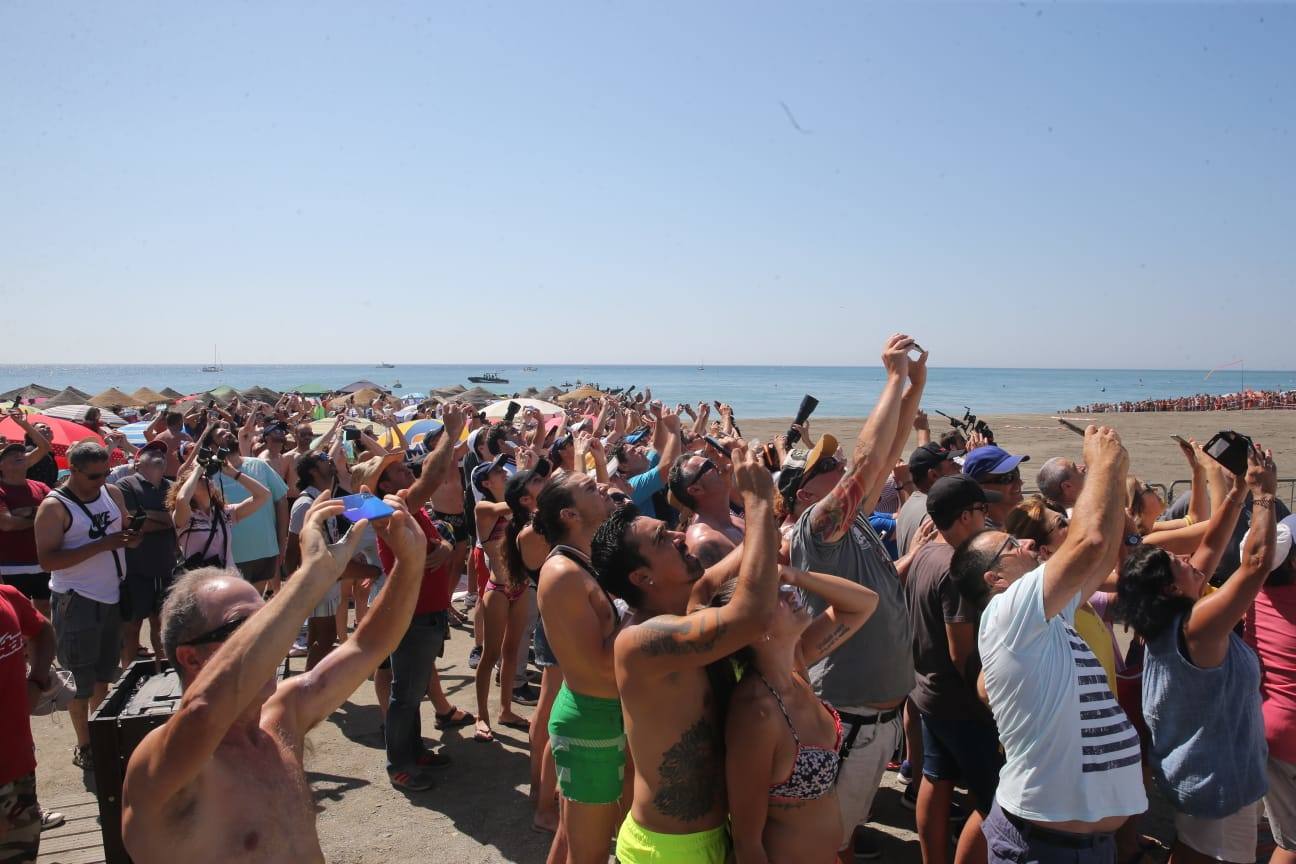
(1282, 544)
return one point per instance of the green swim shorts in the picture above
(588, 741)
(637, 845)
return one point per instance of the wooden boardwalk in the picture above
(76, 841)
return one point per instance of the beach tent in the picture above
(113, 398)
(171, 394)
(578, 394)
(357, 386)
(31, 391)
(77, 414)
(149, 397)
(311, 389)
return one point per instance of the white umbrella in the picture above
(77, 414)
(407, 413)
(134, 432)
(497, 410)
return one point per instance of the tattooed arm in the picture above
(667, 643)
(849, 606)
(831, 518)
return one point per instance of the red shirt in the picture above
(434, 593)
(18, 548)
(19, 621)
(1271, 630)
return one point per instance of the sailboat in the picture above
(216, 364)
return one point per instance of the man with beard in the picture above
(671, 711)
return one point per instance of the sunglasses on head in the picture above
(1011, 477)
(217, 634)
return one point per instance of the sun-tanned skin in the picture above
(222, 779)
(671, 714)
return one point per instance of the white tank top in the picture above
(95, 577)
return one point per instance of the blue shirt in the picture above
(255, 535)
(644, 486)
(885, 526)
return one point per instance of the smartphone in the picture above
(350, 434)
(1180, 441)
(1067, 424)
(137, 520)
(365, 506)
(1230, 449)
(715, 442)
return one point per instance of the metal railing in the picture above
(1288, 496)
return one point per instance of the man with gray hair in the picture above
(223, 777)
(1060, 481)
(80, 532)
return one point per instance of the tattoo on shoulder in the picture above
(693, 634)
(689, 770)
(831, 639)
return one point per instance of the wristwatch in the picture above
(1133, 540)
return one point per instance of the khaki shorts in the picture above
(21, 842)
(1280, 803)
(1232, 838)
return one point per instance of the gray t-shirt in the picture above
(876, 664)
(910, 518)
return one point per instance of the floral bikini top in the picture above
(814, 770)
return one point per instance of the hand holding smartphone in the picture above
(365, 506)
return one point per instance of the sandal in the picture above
(483, 737)
(454, 718)
(521, 724)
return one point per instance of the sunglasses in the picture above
(1011, 477)
(1011, 543)
(707, 465)
(218, 634)
(98, 475)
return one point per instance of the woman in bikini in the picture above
(503, 598)
(781, 741)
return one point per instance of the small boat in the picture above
(216, 364)
(487, 378)
(385, 366)
(530, 369)
(396, 386)
(565, 384)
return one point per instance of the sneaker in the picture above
(474, 657)
(905, 772)
(413, 780)
(526, 695)
(866, 846)
(432, 759)
(470, 601)
(299, 648)
(50, 819)
(81, 758)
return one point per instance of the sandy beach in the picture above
(1153, 455)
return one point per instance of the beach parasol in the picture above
(112, 398)
(550, 393)
(497, 410)
(415, 431)
(31, 391)
(578, 394)
(134, 432)
(145, 396)
(223, 393)
(64, 433)
(66, 396)
(311, 389)
(451, 390)
(77, 414)
(478, 397)
(530, 393)
(170, 394)
(357, 386)
(413, 396)
(264, 394)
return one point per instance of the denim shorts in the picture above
(963, 750)
(544, 656)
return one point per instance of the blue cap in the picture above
(990, 460)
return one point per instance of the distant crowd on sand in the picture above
(733, 640)
(1248, 400)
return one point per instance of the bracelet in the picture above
(1188, 519)
(1267, 502)
(238, 473)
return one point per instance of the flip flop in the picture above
(483, 737)
(521, 724)
(454, 718)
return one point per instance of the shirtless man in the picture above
(448, 506)
(276, 453)
(585, 729)
(702, 485)
(671, 714)
(223, 779)
(169, 429)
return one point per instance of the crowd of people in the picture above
(1247, 400)
(735, 639)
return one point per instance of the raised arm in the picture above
(1212, 618)
(667, 643)
(172, 756)
(307, 699)
(260, 494)
(436, 462)
(180, 510)
(42, 443)
(1219, 533)
(831, 518)
(1089, 552)
(666, 441)
(849, 606)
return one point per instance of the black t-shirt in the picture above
(157, 553)
(45, 471)
(934, 600)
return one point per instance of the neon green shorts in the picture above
(637, 845)
(588, 740)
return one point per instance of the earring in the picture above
(767, 637)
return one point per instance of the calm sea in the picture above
(754, 391)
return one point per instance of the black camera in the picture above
(1230, 449)
(212, 462)
(808, 405)
(969, 424)
(513, 409)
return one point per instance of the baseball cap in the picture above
(480, 473)
(927, 458)
(159, 446)
(990, 460)
(800, 463)
(950, 496)
(517, 486)
(1282, 543)
(368, 472)
(11, 447)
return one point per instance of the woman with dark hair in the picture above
(503, 600)
(202, 518)
(1201, 683)
(782, 741)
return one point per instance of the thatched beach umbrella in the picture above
(477, 397)
(113, 398)
(171, 394)
(66, 396)
(31, 391)
(149, 397)
(550, 393)
(77, 414)
(264, 394)
(578, 394)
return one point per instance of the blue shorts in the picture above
(962, 749)
(544, 656)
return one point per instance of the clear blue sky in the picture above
(1016, 184)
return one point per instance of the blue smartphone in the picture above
(365, 506)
